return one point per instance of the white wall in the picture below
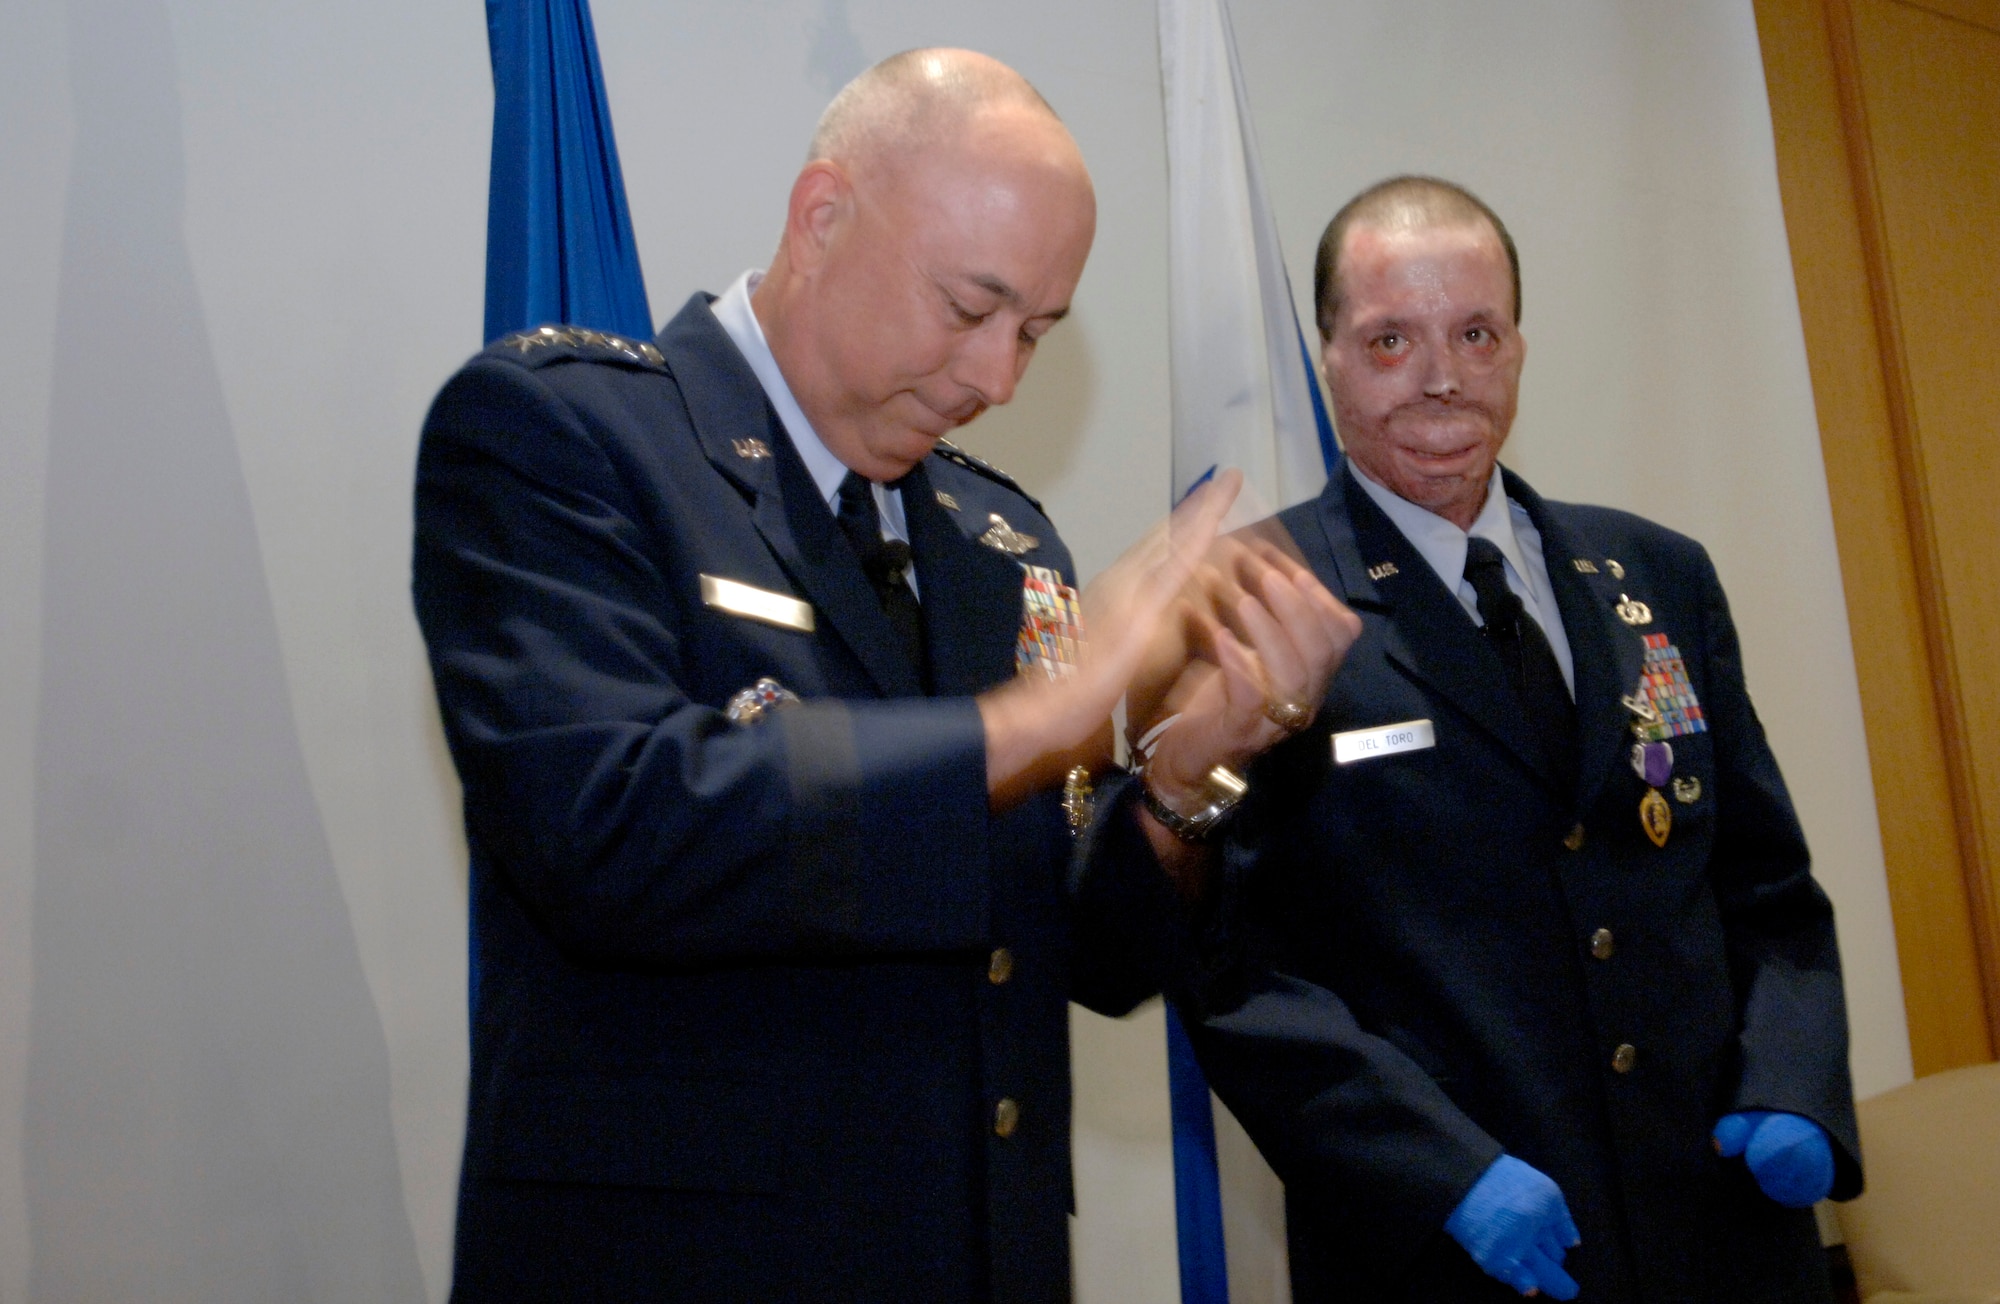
(241, 245)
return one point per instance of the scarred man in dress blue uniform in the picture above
(1561, 1007)
(772, 925)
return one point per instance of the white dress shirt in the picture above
(1504, 522)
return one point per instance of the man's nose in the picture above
(1441, 378)
(990, 364)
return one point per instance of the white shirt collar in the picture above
(1437, 540)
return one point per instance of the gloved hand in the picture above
(1788, 1155)
(1514, 1224)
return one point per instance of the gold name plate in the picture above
(751, 602)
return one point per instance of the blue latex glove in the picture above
(1514, 1224)
(1788, 1155)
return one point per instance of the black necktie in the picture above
(886, 562)
(1524, 651)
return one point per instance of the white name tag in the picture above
(780, 609)
(1387, 740)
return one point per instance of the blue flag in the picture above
(559, 244)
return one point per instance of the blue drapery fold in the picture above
(559, 244)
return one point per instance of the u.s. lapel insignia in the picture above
(1617, 571)
(946, 501)
(1584, 565)
(1006, 538)
(1633, 613)
(1382, 570)
(751, 450)
(1656, 817)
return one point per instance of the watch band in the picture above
(1224, 789)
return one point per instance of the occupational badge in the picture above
(1664, 705)
(1006, 538)
(751, 705)
(1051, 638)
(1656, 817)
(1687, 790)
(1633, 613)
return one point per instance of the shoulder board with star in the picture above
(546, 344)
(951, 452)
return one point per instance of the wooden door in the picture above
(1887, 121)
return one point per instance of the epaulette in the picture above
(951, 452)
(547, 343)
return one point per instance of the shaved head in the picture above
(934, 235)
(1407, 203)
(915, 100)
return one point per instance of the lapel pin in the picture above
(1633, 613)
(946, 500)
(1617, 571)
(1006, 538)
(751, 449)
(1382, 571)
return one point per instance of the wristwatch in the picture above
(1223, 787)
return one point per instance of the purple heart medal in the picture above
(1653, 762)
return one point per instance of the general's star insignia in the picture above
(1006, 538)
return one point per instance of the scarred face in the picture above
(1424, 362)
(934, 284)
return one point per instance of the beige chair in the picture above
(1928, 1229)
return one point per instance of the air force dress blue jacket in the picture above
(760, 1011)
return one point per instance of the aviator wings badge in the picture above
(1006, 538)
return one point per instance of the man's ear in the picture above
(821, 196)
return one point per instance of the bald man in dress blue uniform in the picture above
(773, 927)
(1561, 1008)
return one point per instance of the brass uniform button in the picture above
(1007, 1117)
(1624, 1057)
(1574, 838)
(1001, 967)
(1601, 945)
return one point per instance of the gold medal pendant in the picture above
(1656, 817)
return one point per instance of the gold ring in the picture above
(1289, 716)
